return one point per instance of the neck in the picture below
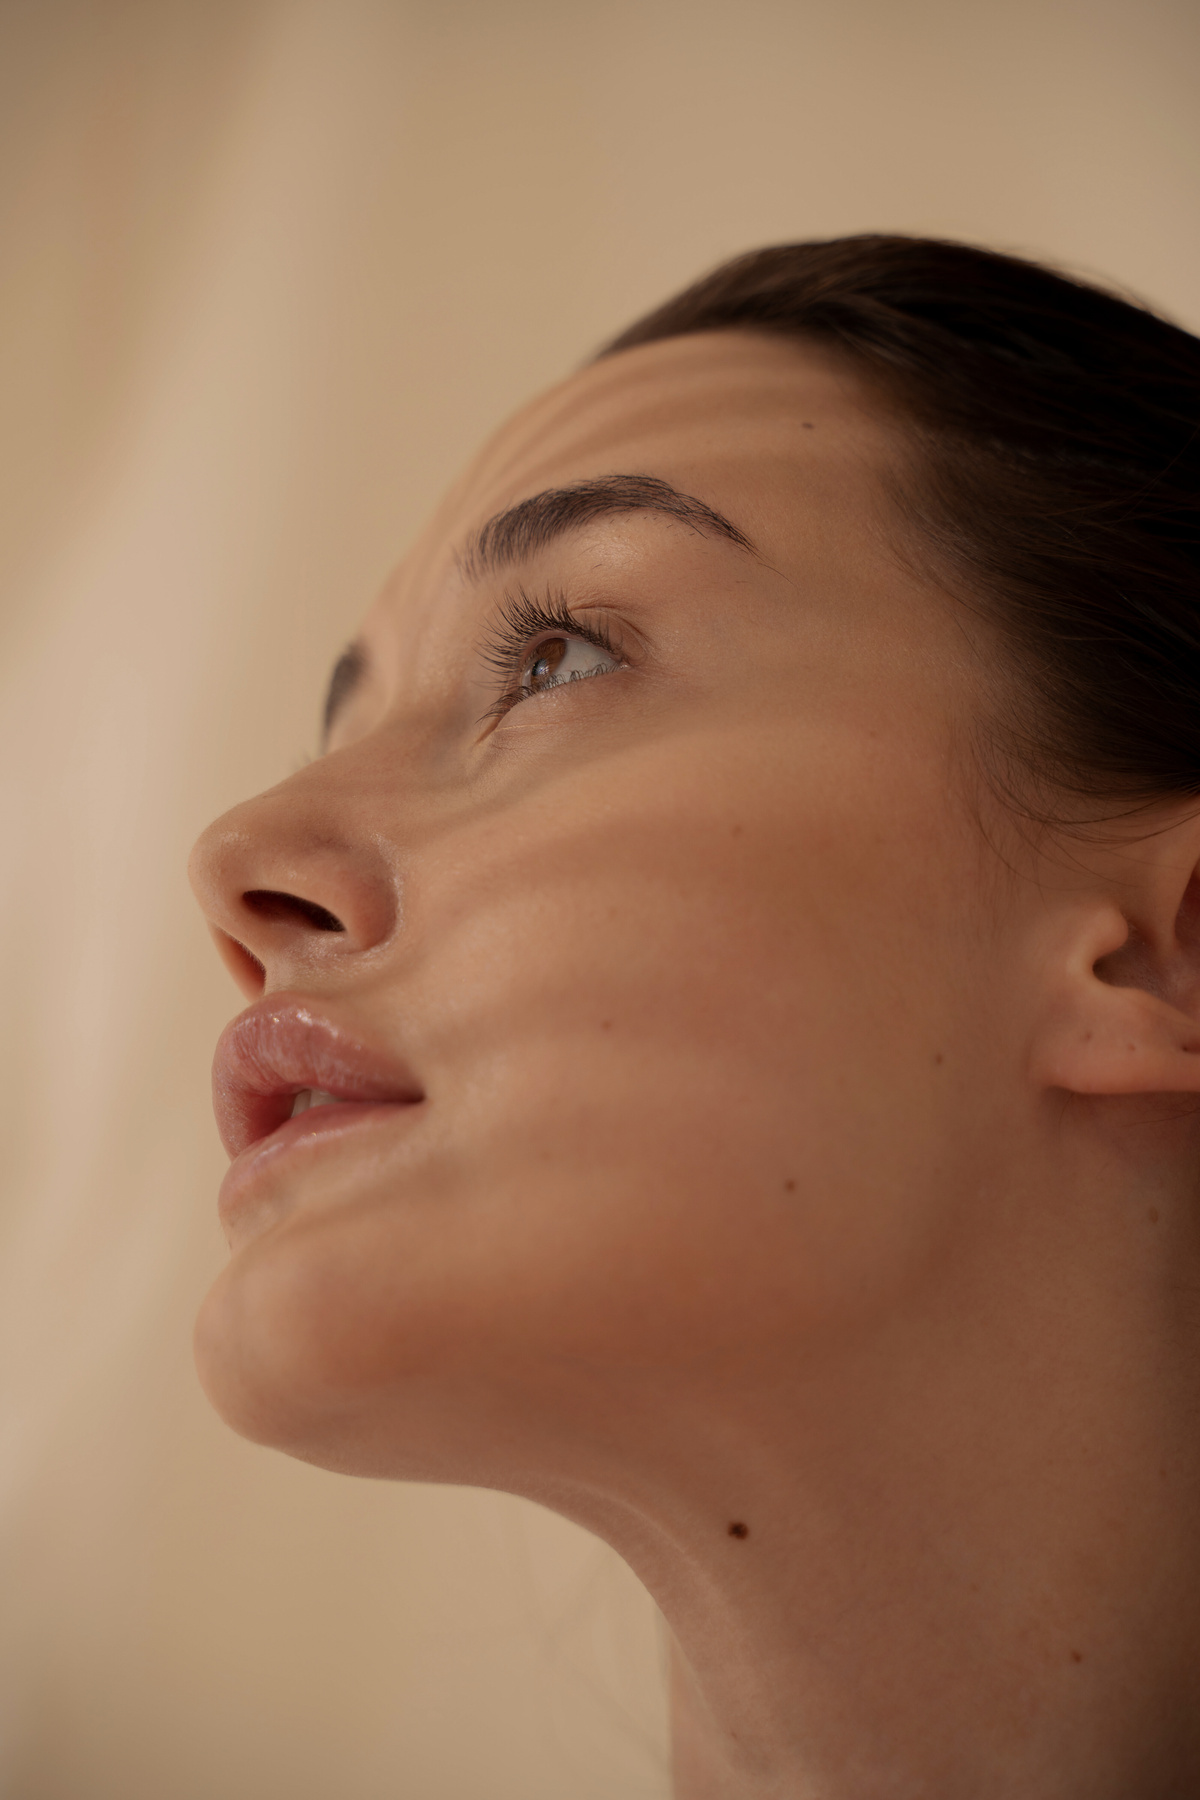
(970, 1562)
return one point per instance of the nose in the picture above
(291, 891)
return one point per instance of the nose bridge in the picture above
(298, 873)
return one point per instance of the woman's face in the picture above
(656, 1000)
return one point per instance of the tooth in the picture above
(312, 1097)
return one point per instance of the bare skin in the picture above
(803, 1192)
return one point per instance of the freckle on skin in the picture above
(1153, 1215)
(789, 1186)
(807, 424)
(938, 1058)
(1077, 1656)
(738, 1530)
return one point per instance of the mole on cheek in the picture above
(738, 1530)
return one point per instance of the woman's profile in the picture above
(723, 1051)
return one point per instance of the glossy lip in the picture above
(265, 1057)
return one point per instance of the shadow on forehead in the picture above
(531, 524)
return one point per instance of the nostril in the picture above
(271, 905)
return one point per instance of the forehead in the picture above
(783, 438)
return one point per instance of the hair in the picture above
(1056, 475)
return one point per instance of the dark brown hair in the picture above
(1057, 474)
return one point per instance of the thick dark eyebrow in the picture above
(531, 524)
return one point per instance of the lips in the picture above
(282, 1048)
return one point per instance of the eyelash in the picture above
(522, 620)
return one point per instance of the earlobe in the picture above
(1123, 1020)
(1125, 1042)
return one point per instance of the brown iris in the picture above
(543, 670)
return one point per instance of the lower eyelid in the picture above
(516, 699)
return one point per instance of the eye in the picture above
(537, 643)
(561, 659)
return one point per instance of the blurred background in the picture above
(270, 272)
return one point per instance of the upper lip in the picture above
(282, 1045)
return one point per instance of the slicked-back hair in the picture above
(1055, 474)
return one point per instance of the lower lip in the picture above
(305, 1133)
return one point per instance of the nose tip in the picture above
(287, 883)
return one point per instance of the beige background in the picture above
(270, 271)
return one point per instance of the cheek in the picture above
(681, 1113)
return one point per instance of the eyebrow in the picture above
(529, 526)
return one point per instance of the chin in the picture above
(247, 1368)
(286, 1369)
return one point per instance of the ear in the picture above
(1123, 990)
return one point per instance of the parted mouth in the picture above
(282, 1057)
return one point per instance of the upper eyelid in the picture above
(523, 617)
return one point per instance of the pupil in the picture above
(548, 658)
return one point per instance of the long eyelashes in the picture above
(522, 619)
